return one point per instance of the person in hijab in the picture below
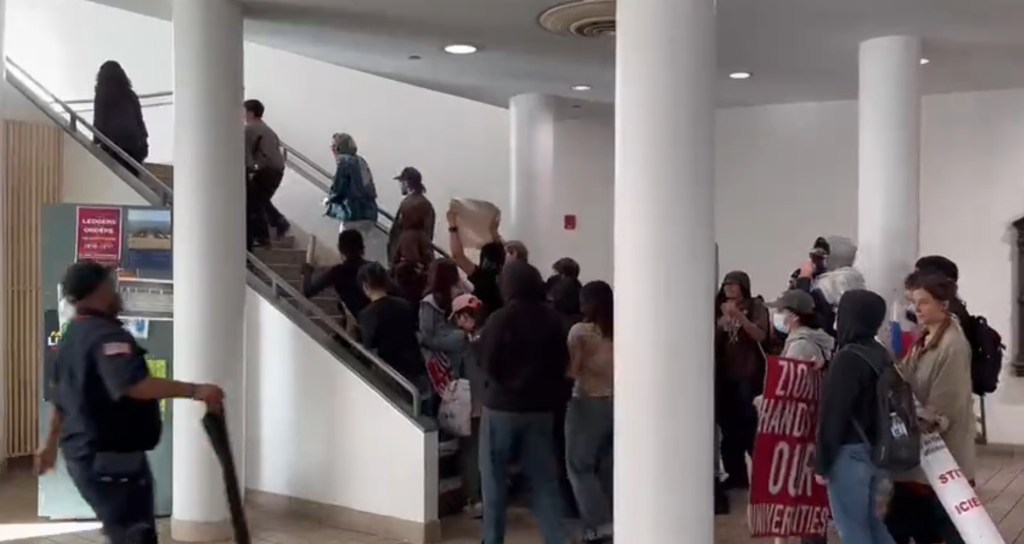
(741, 326)
(117, 114)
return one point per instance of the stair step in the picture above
(277, 255)
(287, 272)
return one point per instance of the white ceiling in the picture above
(798, 50)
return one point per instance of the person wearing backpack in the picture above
(986, 344)
(938, 369)
(850, 413)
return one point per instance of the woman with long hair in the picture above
(589, 421)
(938, 369)
(117, 115)
(443, 342)
(741, 327)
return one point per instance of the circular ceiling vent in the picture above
(582, 18)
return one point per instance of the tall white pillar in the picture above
(209, 252)
(664, 262)
(3, 266)
(889, 161)
(533, 168)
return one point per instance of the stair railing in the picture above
(259, 275)
(148, 185)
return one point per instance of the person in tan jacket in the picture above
(938, 369)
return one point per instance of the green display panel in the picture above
(137, 240)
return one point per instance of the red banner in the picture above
(785, 499)
(99, 235)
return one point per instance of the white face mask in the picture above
(780, 320)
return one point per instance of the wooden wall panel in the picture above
(34, 175)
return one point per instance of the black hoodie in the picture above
(850, 384)
(523, 347)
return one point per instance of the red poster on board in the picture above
(785, 499)
(99, 235)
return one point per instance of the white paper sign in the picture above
(956, 494)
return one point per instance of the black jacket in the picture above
(118, 116)
(523, 347)
(850, 384)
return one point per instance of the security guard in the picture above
(106, 411)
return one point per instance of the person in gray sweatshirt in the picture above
(794, 316)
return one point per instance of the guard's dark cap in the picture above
(83, 279)
(410, 174)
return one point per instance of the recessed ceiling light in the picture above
(924, 61)
(460, 49)
(581, 87)
(740, 75)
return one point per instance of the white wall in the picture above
(585, 187)
(317, 432)
(460, 146)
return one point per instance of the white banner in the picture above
(956, 494)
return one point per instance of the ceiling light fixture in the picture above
(460, 49)
(581, 87)
(924, 61)
(415, 57)
(740, 75)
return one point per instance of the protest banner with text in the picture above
(785, 499)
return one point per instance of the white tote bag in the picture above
(456, 409)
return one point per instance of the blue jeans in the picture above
(588, 438)
(852, 491)
(506, 437)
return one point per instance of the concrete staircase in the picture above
(285, 257)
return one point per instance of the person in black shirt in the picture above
(106, 411)
(525, 357)
(483, 276)
(342, 277)
(849, 414)
(388, 325)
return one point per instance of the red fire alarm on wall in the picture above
(570, 222)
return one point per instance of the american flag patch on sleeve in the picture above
(117, 348)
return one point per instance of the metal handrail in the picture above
(277, 282)
(164, 196)
(76, 122)
(303, 162)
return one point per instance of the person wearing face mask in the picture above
(415, 217)
(793, 316)
(742, 324)
(806, 340)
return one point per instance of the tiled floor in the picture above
(1000, 477)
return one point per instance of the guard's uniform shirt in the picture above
(105, 434)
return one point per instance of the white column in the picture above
(533, 169)
(209, 252)
(889, 161)
(3, 267)
(664, 271)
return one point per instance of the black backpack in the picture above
(896, 445)
(986, 354)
